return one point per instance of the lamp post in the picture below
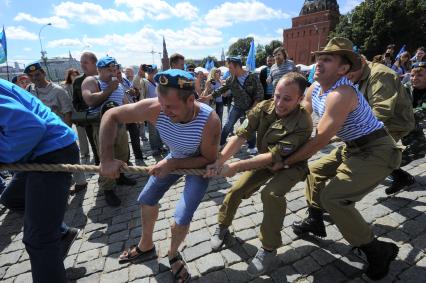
(43, 53)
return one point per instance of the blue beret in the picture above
(175, 78)
(419, 65)
(235, 59)
(32, 67)
(106, 61)
(151, 68)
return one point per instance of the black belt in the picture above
(377, 134)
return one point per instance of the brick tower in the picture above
(310, 29)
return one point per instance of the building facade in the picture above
(310, 30)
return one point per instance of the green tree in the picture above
(260, 55)
(269, 48)
(240, 47)
(376, 23)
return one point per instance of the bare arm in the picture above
(67, 119)
(145, 110)
(307, 101)
(91, 93)
(339, 104)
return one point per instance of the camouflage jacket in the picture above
(244, 95)
(419, 101)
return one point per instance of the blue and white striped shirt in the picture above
(183, 140)
(116, 96)
(360, 122)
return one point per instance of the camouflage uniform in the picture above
(415, 141)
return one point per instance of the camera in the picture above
(146, 67)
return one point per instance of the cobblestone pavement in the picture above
(106, 231)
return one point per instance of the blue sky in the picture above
(130, 29)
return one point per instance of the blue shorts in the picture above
(193, 193)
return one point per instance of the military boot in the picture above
(313, 224)
(401, 180)
(379, 256)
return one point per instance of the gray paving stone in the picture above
(142, 270)
(209, 263)
(323, 257)
(246, 234)
(242, 223)
(2, 271)
(197, 237)
(24, 278)
(237, 272)
(285, 274)
(165, 277)
(87, 256)
(329, 273)
(234, 255)
(17, 269)
(217, 276)
(197, 251)
(288, 255)
(10, 258)
(94, 266)
(116, 276)
(119, 236)
(95, 277)
(306, 265)
(413, 274)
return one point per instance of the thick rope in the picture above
(88, 168)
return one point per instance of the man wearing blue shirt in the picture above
(31, 133)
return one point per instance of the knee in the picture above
(183, 217)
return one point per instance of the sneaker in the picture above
(112, 199)
(125, 181)
(67, 240)
(219, 237)
(252, 151)
(262, 262)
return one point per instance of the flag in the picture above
(400, 52)
(209, 65)
(3, 47)
(251, 58)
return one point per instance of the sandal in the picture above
(135, 253)
(178, 275)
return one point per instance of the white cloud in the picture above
(229, 13)
(134, 48)
(349, 5)
(19, 33)
(27, 49)
(55, 20)
(158, 9)
(89, 13)
(65, 42)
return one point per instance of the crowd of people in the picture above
(368, 106)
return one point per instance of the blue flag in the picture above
(400, 52)
(251, 58)
(3, 47)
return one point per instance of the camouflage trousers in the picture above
(415, 141)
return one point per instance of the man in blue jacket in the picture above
(31, 133)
